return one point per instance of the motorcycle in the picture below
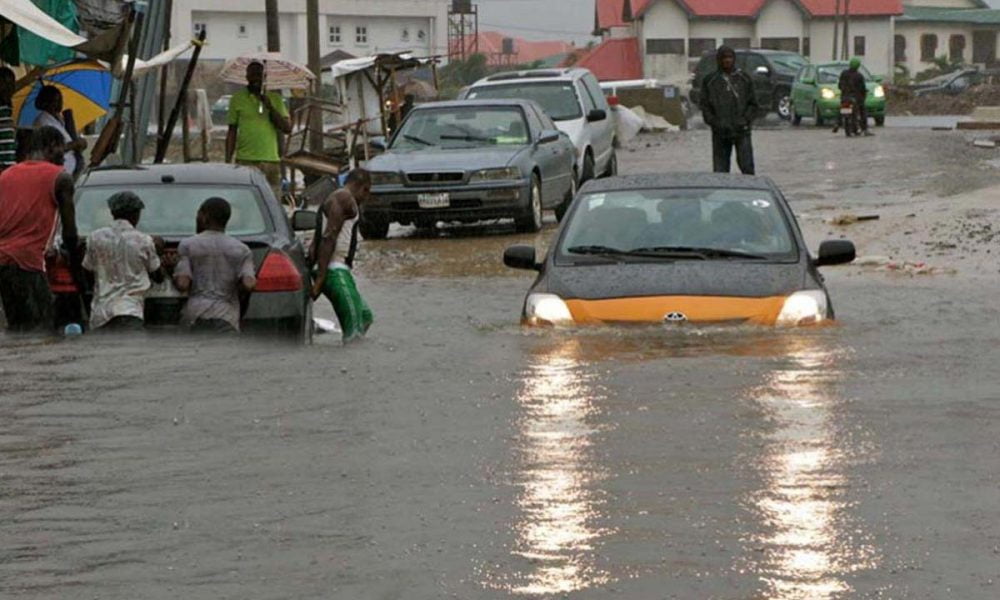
(850, 117)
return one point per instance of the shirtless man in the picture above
(333, 254)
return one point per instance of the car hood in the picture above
(465, 159)
(679, 278)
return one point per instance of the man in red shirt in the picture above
(32, 194)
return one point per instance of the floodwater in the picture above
(454, 454)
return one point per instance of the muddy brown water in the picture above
(455, 455)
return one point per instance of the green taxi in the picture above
(815, 94)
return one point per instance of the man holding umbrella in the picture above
(256, 119)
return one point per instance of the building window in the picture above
(334, 34)
(699, 46)
(665, 46)
(736, 43)
(241, 30)
(984, 47)
(421, 35)
(806, 47)
(199, 28)
(956, 48)
(899, 48)
(405, 35)
(859, 45)
(361, 34)
(928, 47)
(785, 44)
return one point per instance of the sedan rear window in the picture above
(171, 209)
(717, 222)
(557, 99)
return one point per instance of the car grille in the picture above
(445, 177)
(456, 203)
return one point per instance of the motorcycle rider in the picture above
(854, 87)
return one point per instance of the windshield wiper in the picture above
(419, 140)
(609, 252)
(466, 138)
(703, 253)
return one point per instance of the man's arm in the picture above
(67, 211)
(707, 110)
(231, 142)
(337, 209)
(248, 273)
(182, 270)
(278, 117)
(753, 107)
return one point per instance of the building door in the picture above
(899, 49)
(984, 47)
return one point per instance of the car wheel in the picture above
(783, 106)
(530, 220)
(589, 169)
(568, 200)
(373, 229)
(612, 169)
(796, 117)
(879, 121)
(817, 117)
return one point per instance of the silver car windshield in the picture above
(171, 209)
(706, 223)
(462, 127)
(557, 99)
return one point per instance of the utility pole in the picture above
(836, 30)
(312, 43)
(273, 32)
(847, 19)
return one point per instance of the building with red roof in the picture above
(521, 51)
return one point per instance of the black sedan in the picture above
(679, 248)
(172, 194)
(468, 161)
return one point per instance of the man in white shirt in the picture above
(49, 103)
(123, 261)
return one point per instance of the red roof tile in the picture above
(609, 13)
(751, 8)
(525, 51)
(614, 60)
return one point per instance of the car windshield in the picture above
(703, 223)
(171, 209)
(462, 127)
(831, 74)
(558, 99)
(788, 63)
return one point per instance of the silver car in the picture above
(467, 161)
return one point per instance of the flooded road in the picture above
(455, 455)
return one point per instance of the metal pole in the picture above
(847, 20)
(273, 30)
(161, 112)
(315, 124)
(164, 142)
(836, 30)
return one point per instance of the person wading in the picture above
(853, 87)
(123, 261)
(333, 253)
(32, 194)
(256, 120)
(729, 106)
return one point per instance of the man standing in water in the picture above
(729, 105)
(333, 251)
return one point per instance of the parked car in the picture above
(772, 71)
(574, 100)
(676, 249)
(470, 160)
(172, 194)
(816, 94)
(220, 110)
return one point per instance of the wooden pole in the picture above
(168, 132)
(847, 20)
(836, 30)
(315, 124)
(273, 29)
(161, 112)
(185, 128)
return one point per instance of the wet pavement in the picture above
(455, 455)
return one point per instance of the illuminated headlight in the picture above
(547, 309)
(386, 178)
(502, 174)
(879, 92)
(803, 308)
(828, 94)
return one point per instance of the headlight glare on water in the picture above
(547, 309)
(803, 308)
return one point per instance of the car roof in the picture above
(679, 180)
(529, 75)
(206, 173)
(516, 102)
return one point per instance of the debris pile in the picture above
(901, 101)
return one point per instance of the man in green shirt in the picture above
(256, 120)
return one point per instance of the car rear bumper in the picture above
(466, 203)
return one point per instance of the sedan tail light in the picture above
(278, 274)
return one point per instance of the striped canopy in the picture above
(85, 87)
(279, 73)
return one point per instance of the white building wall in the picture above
(914, 31)
(780, 19)
(942, 3)
(720, 29)
(878, 33)
(665, 19)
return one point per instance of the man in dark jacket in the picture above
(729, 106)
(853, 86)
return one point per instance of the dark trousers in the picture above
(722, 152)
(27, 300)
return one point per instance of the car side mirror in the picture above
(762, 70)
(547, 136)
(304, 220)
(835, 252)
(597, 115)
(521, 257)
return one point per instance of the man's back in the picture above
(27, 212)
(852, 84)
(215, 262)
(121, 258)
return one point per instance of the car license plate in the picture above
(442, 200)
(846, 111)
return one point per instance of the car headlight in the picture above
(828, 94)
(386, 178)
(803, 308)
(878, 92)
(547, 309)
(501, 174)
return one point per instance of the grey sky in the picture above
(539, 19)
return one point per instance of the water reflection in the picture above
(810, 546)
(558, 503)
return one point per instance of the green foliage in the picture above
(458, 74)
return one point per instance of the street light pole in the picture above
(273, 31)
